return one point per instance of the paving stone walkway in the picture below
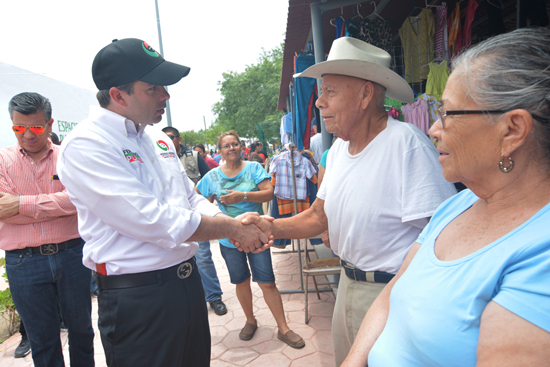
(227, 349)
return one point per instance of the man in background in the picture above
(39, 232)
(205, 263)
(211, 162)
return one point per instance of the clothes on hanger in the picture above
(305, 95)
(286, 129)
(441, 39)
(281, 167)
(417, 38)
(470, 15)
(378, 33)
(417, 114)
(455, 31)
(394, 104)
(437, 79)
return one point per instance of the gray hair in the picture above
(511, 71)
(29, 103)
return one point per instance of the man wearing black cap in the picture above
(140, 216)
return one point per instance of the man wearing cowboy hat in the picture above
(382, 181)
(140, 215)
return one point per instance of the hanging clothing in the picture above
(340, 27)
(432, 107)
(281, 167)
(417, 114)
(352, 28)
(437, 79)
(455, 40)
(470, 15)
(378, 33)
(305, 90)
(392, 103)
(441, 41)
(417, 38)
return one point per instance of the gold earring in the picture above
(509, 167)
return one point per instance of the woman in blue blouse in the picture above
(242, 186)
(475, 288)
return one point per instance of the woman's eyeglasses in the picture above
(20, 129)
(234, 145)
(442, 113)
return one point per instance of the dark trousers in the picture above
(38, 283)
(159, 325)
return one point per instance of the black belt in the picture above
(181, 271)
(366, 276)
(49, 248)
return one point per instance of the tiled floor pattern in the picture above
(227, 349)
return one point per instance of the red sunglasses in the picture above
(20, 129)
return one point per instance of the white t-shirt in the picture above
(316, 146)
(375, 201)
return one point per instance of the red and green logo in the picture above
(149, 50)
(162, 145)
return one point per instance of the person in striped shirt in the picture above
(38, 231)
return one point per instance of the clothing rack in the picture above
(291, 147)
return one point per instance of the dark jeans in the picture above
(158, 325)
(37, 283)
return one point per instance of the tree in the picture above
(250, 97)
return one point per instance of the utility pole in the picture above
(168, 114)
(205, 141)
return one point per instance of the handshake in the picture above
(254, 233)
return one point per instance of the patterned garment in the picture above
(287, 206)
(281, 167)
(455, 31)
(440, 41)
(377, 32)
(432, 110)
(417, 35)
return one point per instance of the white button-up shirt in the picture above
(136, 207)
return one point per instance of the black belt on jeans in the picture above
(180, 271)
(49, 248)
(366, 276)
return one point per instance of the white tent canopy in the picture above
(70, 104)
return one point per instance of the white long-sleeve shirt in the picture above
(136, 207)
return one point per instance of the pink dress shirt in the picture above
(46, 215)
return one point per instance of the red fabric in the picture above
(101, 269)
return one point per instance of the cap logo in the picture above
(149, 50)
(162, 145)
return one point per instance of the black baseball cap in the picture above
(130, 59)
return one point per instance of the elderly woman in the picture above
(242, 186)
(475, 288)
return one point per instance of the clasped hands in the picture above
(255, 233)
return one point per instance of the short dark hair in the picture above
(29, 103)
(104, 98)
(170, 129)
(201, 146)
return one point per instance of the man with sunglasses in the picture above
(140, 215)
(39, 232)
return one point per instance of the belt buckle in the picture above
(49, 249)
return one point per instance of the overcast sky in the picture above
(59, 39)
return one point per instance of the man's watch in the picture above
(245, 197)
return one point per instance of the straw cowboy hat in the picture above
(352, 57)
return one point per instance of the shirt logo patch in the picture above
(162, 145)
(131, 156)
(168, 155)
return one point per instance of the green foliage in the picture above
(7, 308)
(250, 97)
